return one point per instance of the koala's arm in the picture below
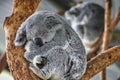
(42, 50)
(20, 38)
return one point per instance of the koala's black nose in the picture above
(38, 41)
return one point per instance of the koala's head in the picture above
(42, 26)
(87, 19)
(75, 11)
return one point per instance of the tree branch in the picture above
(107, 32)
(16, 62)
(115, 20)
(101, 61)
(2, 62)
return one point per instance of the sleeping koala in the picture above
(54, 50)
(87, 19)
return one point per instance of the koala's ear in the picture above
(20, 38)
(51, 22)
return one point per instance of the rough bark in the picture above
(17, 64)
(2, 62)
(107, 32)
(101, 61)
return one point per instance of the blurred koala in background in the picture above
(87, 19)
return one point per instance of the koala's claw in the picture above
(39, 61)
(39, 72)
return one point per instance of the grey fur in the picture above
(61, 55)
(87, 19)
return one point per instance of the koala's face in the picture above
(42, 26)
(73, 13)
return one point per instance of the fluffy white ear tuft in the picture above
(17, 41)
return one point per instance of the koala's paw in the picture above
(39, 61)
(42, 73)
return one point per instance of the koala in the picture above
(87, 20)
(54, 50)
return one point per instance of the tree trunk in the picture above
(17, 64)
